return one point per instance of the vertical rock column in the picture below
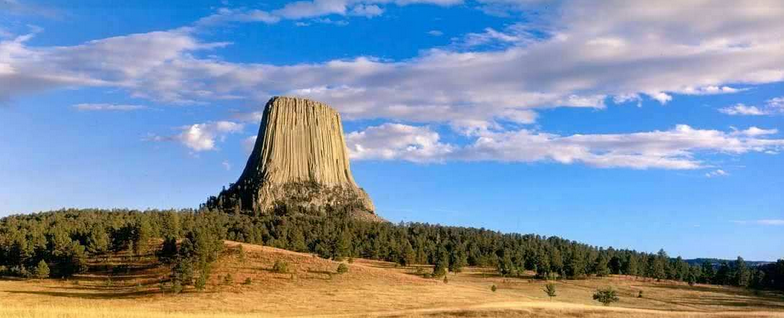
(300, 157)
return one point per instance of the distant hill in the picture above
(716, 262)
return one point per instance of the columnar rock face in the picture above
(299, 162)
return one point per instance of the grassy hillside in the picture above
(244, 284)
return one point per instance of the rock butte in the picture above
(299, 162)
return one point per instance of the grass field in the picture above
(370, 288)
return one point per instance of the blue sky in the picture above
(613, 123)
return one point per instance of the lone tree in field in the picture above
(42, 270)
(549, 289)
(606, 296)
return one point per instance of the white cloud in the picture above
(677, 148)
(202, 137)
(772, 106)
(639, 50)
(395, 142)
(754, 132)
(716, 173)
(710, 90)
(225, 15)
(775, 105)
(591, 52)
(740, 109)
(577, 66)
(368, 11)
(489, 35)
(771, 222)
(226, 165)
(435, 33)
(107, 107)
(312, 9)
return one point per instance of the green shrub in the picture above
(493, 288)
(280, 266)
(639, 295)
(342, 269)
(247, 281)
(549, 289)
(606, 296)
(228, 280)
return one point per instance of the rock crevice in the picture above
(299, 161)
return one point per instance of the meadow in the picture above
(244, 284)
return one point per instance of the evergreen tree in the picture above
(457, 260)
(630, 266)
(708, 273)
(42, 270)
(506, 267)
(142, 233)
(742, 273)
(98, 241)
(441, 263)
(575, 263)
(724, 275)
(601, 267)
(556, 261)
(408, 256)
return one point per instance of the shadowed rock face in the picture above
(299, 162)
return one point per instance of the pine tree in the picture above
(457, 260)
(441, 263)
(724, 275)
(575, 264)
(742, 273)
(98, 241)
(601, 268)
(408, 256)
(630, 266)
(506, 267)
(142, 233)
(708, 273)
(42, 270)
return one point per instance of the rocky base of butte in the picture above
(299, 164)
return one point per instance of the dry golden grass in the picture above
(369, 289)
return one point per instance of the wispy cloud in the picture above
(770, 222)
(299, 10)
(772, 106)
(716, 173)
(108, 107)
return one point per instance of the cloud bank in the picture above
(678, 148)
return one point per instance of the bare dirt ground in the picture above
(312, 288)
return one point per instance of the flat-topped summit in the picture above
(300, 161)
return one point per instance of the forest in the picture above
(59, 243)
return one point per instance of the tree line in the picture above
(61, 241)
